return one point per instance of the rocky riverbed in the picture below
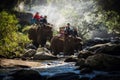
(50, 70)
(98, 62)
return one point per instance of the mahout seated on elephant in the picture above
(39, 34)
(67, 45)
(70, 30)
(39, 19)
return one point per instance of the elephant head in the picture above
(57, 44)
(32, 35)
(66, 45)
(44, 33)
(40, 34)
(71, 44)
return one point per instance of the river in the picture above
(52, 67)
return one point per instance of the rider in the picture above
(37, 17)
(68, 30)
(44, 20)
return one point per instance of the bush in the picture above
(11, 41)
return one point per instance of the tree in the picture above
(110, 14)
(11, 41)
(7, 31)
(110, 5)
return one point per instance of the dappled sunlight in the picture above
(66, 11)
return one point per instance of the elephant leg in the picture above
(43, 42)
(68, 51)
(35, 44)
(55, 52)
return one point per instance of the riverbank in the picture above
(13, 63)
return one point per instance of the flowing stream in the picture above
(52, 67)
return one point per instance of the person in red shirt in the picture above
(37, 17)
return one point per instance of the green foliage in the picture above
(109, 9)
(109, 5)
(11, 41)
(7, 27)
(111, 19)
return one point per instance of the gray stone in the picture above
(44, 56)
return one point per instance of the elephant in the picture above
(67, 45)
(40, 34)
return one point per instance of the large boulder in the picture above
(86, 70)
(96, 41)
(80, 62)
(103, 62)
(26, 75)
(30, 46)
(106, 77)
(29, 53)
(85, 54)
(71, 59)
(24, 18)
(64, 76)
(44, 56)
(108, 48)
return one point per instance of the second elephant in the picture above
(67, 45)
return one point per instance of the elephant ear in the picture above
(32, 33)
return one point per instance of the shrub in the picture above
(11, 41)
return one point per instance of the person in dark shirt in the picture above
(67, 29)
(44, 20)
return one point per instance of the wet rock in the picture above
(1, 56)
(71, 59)
(106, 77)
(80, 62)
(86, 70)
(95, 47)
(31, 46)
(26, 75)
(95, 41)
(30, 53)
(64, 76)
(24, 18)
(7, 78)
(114, 73)
(108, 48)
(84, 78)
(115, 40)
(103, 62)
(83, 66)
(22, 66)
(85, 54)
(43, 50)
(1, 77)
(44, 56)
